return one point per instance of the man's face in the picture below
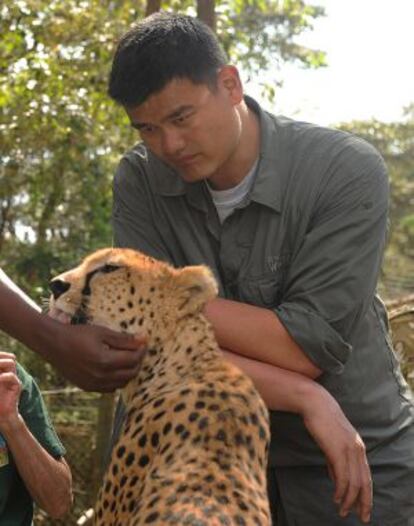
(191, 127)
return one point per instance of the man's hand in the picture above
(10, 389)
(341, 444)
(95, 358)
(345, 453)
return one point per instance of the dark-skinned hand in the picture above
(95, 358)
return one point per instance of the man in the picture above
(32, 467)
(291, 218)
(93, 358)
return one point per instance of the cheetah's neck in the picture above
(186, 352)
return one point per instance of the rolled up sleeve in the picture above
(322, 344)
(332, 276)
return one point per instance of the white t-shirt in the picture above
(226, 201)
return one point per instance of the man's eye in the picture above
(182, 118)
(146, 129)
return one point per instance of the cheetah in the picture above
(193, 448)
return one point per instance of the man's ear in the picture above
(229, 79)
(194, 287)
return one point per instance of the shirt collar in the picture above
(266, 187)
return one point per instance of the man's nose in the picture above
(58, 287)
(172, 142)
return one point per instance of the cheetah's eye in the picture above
(106, 269)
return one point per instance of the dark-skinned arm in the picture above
(93, 358)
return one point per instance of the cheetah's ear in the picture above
(195, 286)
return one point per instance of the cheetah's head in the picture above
(125, 290)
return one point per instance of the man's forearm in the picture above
(281, 390)
(257, 333)
(48, 480)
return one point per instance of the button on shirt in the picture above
(307, 243)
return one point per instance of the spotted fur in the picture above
(193, 448)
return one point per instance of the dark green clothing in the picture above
(312, 488)
(16, 505)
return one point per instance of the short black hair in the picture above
(158, 49)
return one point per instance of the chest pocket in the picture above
(263, 291)
(262, 282)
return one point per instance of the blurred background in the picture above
(336, 63)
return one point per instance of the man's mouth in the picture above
(185, 159)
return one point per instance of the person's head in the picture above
(161, 48)
(171, 76)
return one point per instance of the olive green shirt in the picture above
(307, 243)
(16, 504)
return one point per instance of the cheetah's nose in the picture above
(58, 287)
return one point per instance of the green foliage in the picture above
(61, 132)
(260, 35)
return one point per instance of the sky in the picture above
(370, 72)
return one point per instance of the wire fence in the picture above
(401, 316)
(396, 283)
